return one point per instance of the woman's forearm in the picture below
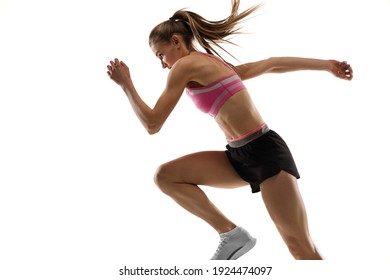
(289, 64)
(151, 118)
(140, 108)
(282, 65)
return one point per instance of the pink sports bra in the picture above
(209, 99)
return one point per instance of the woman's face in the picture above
(167, 52)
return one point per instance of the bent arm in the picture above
(289, 64)
(151, 118)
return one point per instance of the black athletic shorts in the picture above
(261, 159)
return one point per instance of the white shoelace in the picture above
(222, 243)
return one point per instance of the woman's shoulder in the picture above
(190, 63)
(184, 70)
(193, 59)
(202, 68)
(203, 62)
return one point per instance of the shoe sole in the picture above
(243, 250)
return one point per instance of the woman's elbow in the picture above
(153, 128)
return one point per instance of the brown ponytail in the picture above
(209, 34)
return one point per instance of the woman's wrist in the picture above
(127, 86)
(329, 65)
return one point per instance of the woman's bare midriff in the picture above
(238, 116)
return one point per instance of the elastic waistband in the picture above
(243, 141)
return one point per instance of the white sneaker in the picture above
(234, 244)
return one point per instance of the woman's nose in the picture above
(164, 65)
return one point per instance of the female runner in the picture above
(255, 155)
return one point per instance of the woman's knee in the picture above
(163, 178)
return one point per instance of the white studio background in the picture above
(77, 197)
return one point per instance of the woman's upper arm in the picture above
(253, 69)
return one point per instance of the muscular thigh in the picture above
(211, 168)
(284, 203)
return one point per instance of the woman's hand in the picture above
(341, 70)
(118, 72)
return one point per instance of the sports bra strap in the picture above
(219, 59)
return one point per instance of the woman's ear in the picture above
(175, 40)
